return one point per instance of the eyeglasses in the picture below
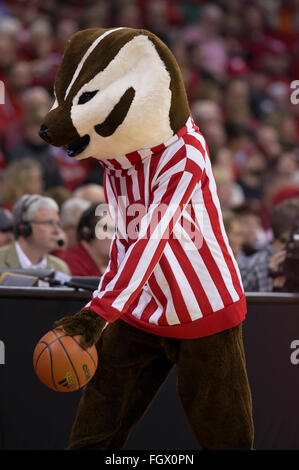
(48, 223)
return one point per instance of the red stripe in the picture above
(149, 310)
(134, 158)
(182, 131)
(108, 276)
(194, 169)
(154, 161)
(191, 140)
(141, 179)
(178, 300)
(115, 164)
(129, 184)
(215, 273)
(118, 187)
(176, 158)
(158, 148)
(104, 186)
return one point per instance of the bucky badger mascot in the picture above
(172, 292)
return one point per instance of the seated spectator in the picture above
(35, 101)
(268, 142)
(251, 176)
(6, 227)
(60, 194)
(91, 192)
(230, 194)
(37, 230)
(254, 237)
(71, 211)
(91, 256)
(263, 271)
(21, 177)
(234, 233)
(34, 147)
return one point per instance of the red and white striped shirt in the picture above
(177, 275)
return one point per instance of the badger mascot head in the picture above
(117, 91)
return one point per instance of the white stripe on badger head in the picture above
(55, 104)
(86, 55)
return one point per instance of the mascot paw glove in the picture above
(86, 323)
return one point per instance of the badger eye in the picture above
(87, 96)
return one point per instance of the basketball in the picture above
(61, 363)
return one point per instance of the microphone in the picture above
(60, 242)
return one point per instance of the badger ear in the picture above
(73, 54)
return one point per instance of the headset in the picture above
(24, 227)
(87, 224)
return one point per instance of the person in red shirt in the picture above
(90, 257)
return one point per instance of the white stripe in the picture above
(55, 104)
(116, 205)
(166, 156)
(154, 318)
(121, 251)
(87, 53)
(143, 301)
(189, 125)
(196, 156)
(144, 153)
(113, 188)
(112, 202)
(171, 315)
(135, 188)
(146, 173)
(171, 140)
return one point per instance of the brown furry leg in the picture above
(214, 390)
(132, 368)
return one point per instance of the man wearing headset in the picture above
(37, 232)
(90, 257)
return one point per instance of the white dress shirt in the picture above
(25, 261)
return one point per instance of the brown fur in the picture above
(212, 384)
(87, 324)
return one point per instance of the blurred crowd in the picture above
(239, 61)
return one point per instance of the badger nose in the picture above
(44, 134)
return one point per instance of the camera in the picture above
(291, 263)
